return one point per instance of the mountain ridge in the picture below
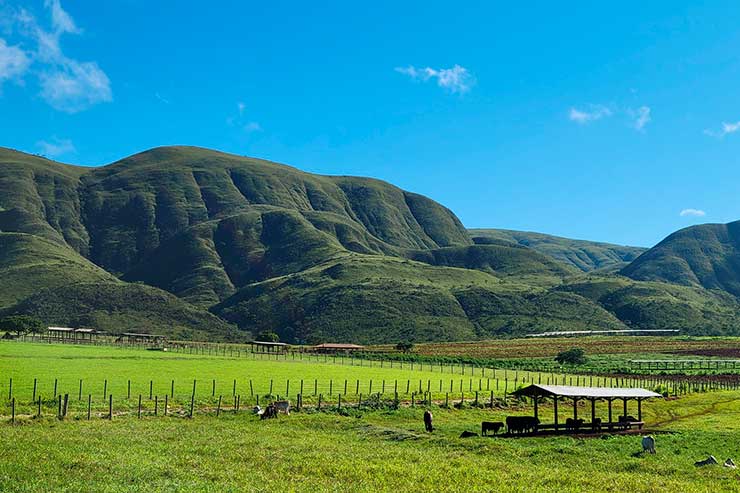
(223, 246)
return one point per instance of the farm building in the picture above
(335, 348)
(574, 394)
(269, 347)
(139, 338)
(67, 334)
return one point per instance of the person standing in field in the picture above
(428, 421)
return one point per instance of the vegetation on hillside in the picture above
(193, 243)
(706, 255)
(583, 255)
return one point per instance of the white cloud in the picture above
(252, 127)
(727, 128)
(61, 21)
(642, 117)
(75, 86)
(56, 147)
(67, 84)
(456, 79)
(13, 61)
(692, 213)
(238, 120)
(161, 98)
(595, 112)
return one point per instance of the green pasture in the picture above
(105, 371)
(371, 451)
(366, 449)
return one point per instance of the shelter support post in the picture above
(624, 403)
(535, 407)
(610, 412)
(639, 409)
(575, 408)
(555, 410)
(593, 412)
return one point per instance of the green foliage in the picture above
(572, 356)
(268, 336)
(405, 347)
(21, 324)
(584, 255)
(262, 246)
(706, 255)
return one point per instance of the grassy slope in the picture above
(372, 299)
(31, 263)
(584, 255)
(707, 255)
(313, 257)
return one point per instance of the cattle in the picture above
(468, 434)
(257, 410)
(521, 424)
(627, 419)
(487, 426)
(428, 421)
(573, 424)
(596, 424)
(648, 444)
(706, 462)
(282, 407)
(269, 412)
(729, 463)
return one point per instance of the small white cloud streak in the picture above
(241, 106)
(642, 117)
(456, 79)
(727, 128)
(692, 213)
(252, 127)
(594, 113)
(161, 98)
(13, 61)
(57, 147)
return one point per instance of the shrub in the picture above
(573, 356)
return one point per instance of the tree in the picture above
(405, 346)
(21, 324)
(268, 336)
(573, 356)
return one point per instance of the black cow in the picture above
(487, 426)
(521, 424)
(573, 424)
(596, 424)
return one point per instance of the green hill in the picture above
(584, 255)
(195, 243)
(707, 255)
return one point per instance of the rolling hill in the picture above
(583, 255)
(199, 243)
(706, 255)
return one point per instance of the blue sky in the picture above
(616, 123)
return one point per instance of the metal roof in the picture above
(603, 332)
(586, 392)
(268, 343)
(60, 329)
(333, 345)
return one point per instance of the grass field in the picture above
(356, 450)
(107, 370)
